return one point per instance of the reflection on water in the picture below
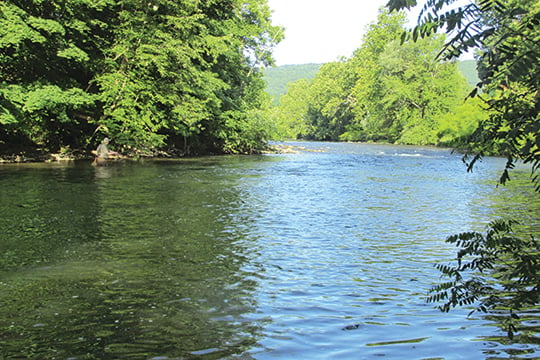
(126, 261)
(310, 255)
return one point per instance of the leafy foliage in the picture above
(496, 271)
(506, 36)
(150, 75)
(456, 126)
(387, 92)
(291, 115)
(329, 109)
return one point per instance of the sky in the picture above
(321, 31)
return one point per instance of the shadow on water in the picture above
(128, 261)
(327, 253)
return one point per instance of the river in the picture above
(327, 253)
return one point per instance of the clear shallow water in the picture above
(324, 254)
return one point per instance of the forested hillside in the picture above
(277, 78)
(178, 75)
(469, 71)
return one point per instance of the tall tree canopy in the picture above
(150, 75)
(387, 91)
(403, 89)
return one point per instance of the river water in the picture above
(327, 253)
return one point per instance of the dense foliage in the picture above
(278, 78)
(505, 35)
(387, 91)
(499, 271)
(150, 75)
(493, 271)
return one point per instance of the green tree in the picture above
(329, 108)
(278, 78)
(154, 75)
(401, 89)
(291, 114)
(419, 89)
(48, 54)
(187, 74)
(506, 34)
(368, 123)
(387, 91)
(456, 126)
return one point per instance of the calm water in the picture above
(324, 254)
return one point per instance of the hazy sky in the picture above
(321, 31)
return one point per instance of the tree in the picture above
(367, 92)
(386, 91)
(456, 126)
(278, 78)
(419, 90)
(401, 90)
(329, 109)
(292, 111)
(45, 65)
(506, 35)
(151, 75)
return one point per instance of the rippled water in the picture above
(323, 254)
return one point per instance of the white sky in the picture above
(321, 31)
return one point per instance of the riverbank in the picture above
(33, 156)
(36, 156)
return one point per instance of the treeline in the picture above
(387, 91)
(278, 78)
(170, 75)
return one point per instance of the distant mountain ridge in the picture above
(277, 78)
(468, 69)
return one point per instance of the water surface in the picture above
(323, 254)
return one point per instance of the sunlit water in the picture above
(323, 254)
